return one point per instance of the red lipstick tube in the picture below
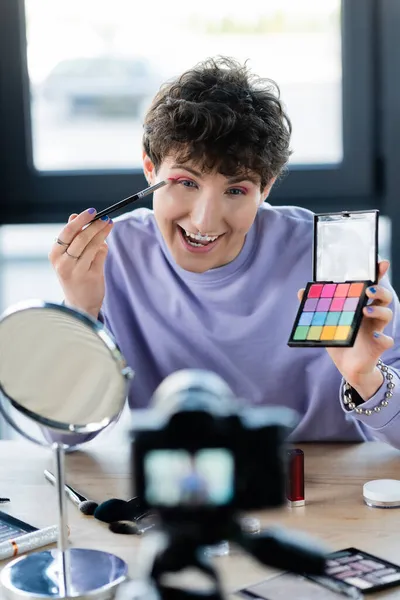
(295, 478)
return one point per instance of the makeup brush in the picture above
(116, 509)
(130, 527)
(128, 200)
(87, 507)
(111, 510)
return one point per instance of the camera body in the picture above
(199, 459)
(211, 457)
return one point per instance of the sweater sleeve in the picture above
(384, 421)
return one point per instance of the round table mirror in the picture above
(62, 370)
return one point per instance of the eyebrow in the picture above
(234, 179)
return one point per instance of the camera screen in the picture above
(179, 478)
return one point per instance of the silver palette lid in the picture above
(346, 246)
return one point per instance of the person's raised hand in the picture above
(78, 256)
(357, 364)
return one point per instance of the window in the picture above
(335, 61)
(90, 95)
(74, 137)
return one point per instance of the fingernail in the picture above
(105, 218)
(370, 309)
(372, 290)
(91, 210)
(111, 221)
(376, 334)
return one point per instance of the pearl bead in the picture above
(347, 393)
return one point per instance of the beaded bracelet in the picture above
(348, 393)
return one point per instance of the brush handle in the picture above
(127, 201)
(72, 494)
(29, 541)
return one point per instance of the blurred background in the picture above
(77, 76)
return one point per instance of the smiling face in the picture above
(221, 209)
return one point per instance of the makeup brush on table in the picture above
(133, 527)
(126, 516)
(86, 506)
(116, 509)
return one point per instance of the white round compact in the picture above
(382, 493)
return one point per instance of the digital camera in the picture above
(203, 455)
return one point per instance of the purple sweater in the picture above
(235, 320)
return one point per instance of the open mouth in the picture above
(196, 243)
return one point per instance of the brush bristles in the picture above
(124, 527)
(113, 510)
(87, 507)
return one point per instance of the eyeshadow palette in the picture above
(349, 572)
(329, 314)
(10, 527)
(345, 264)
(362, 571)
(289, 585)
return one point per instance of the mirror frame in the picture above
(104, 336)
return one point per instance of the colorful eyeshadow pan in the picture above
(310, 305)
(324, 304)
(350, 304)
(314, 333)
(332, 318)
(315, 290)
(328, 290)
(346, 318)
(337, 304)
(341, 290)
(328, 333)
(319, 318)
(355, 289)
(329, 314)
(306, 318)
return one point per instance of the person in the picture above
(193, 487)
(210, 277)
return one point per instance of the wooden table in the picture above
(334, 511)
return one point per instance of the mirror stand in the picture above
(78, 359)
(62, 543)
(64, 572)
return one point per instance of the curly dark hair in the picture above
(221, 117)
